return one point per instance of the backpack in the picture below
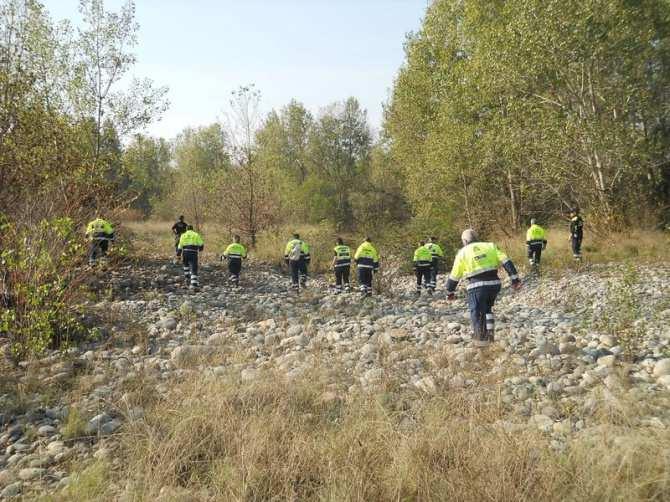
(295, 253)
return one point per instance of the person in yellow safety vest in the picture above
(341, 265)
(438, 254)
(235, 253)
(367, 262)
(423, 267)
(297, 257)
(536, 242)
(479, 262)
(99, 232)
(190, 244)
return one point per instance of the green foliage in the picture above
(37, 284)
(505, 110)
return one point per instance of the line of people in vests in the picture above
(477, 262)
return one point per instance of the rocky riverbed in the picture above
(566, 349)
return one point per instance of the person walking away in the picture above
(235, 253)
(438, 255)
(576, 233)
(367, 262)
(423, 268)
(296, 255)
(190, 244)
(341, 265)
(177, 229)
(99, 232)
(536, 242)
(479, 262)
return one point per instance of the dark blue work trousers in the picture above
(480, 301)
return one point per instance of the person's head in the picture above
(236, 238)
(296, 235)
(533, 221)
(422, 243)
(433, 239)
(367, 238)
(181, 218)
(468, 236)
(189, 227)
(574, 211)
(340, 241)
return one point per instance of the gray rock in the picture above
(95, 424)
(294, 330)
(46, 430)
(31, 473)
(6, 477)
(188, 354)
(110, 427)
(606, 361)
(662, 367)
(168, 323)
(11, 491)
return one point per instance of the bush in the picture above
(40, 274)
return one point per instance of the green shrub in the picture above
(39, 280)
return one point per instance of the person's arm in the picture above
(509, 267)
(455, 276)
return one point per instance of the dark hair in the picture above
(340, 241)
(367, 238)
(433, 238)
(236, 238)
(296, 236)
(181, 217)
(422, 243)
(189, 227)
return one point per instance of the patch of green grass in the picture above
(75, 424)
(89, 485)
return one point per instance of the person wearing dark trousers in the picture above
(438, 255)
(190, 244)
(99, 232)
(536, 242)
(423, 268)
(297, 257)
(576, 233)
(479, 263)
(177, 229)
(235, 253)
(367, 262)
(341, 265)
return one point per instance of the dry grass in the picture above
(638, 245)
(279, 440)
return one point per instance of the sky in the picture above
(316, 51)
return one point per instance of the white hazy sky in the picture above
(316, 51)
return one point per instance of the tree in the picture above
(103, 59)
(246, 192)
(527, 107)
(146, 162)
(201, 159)
(340, 143)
